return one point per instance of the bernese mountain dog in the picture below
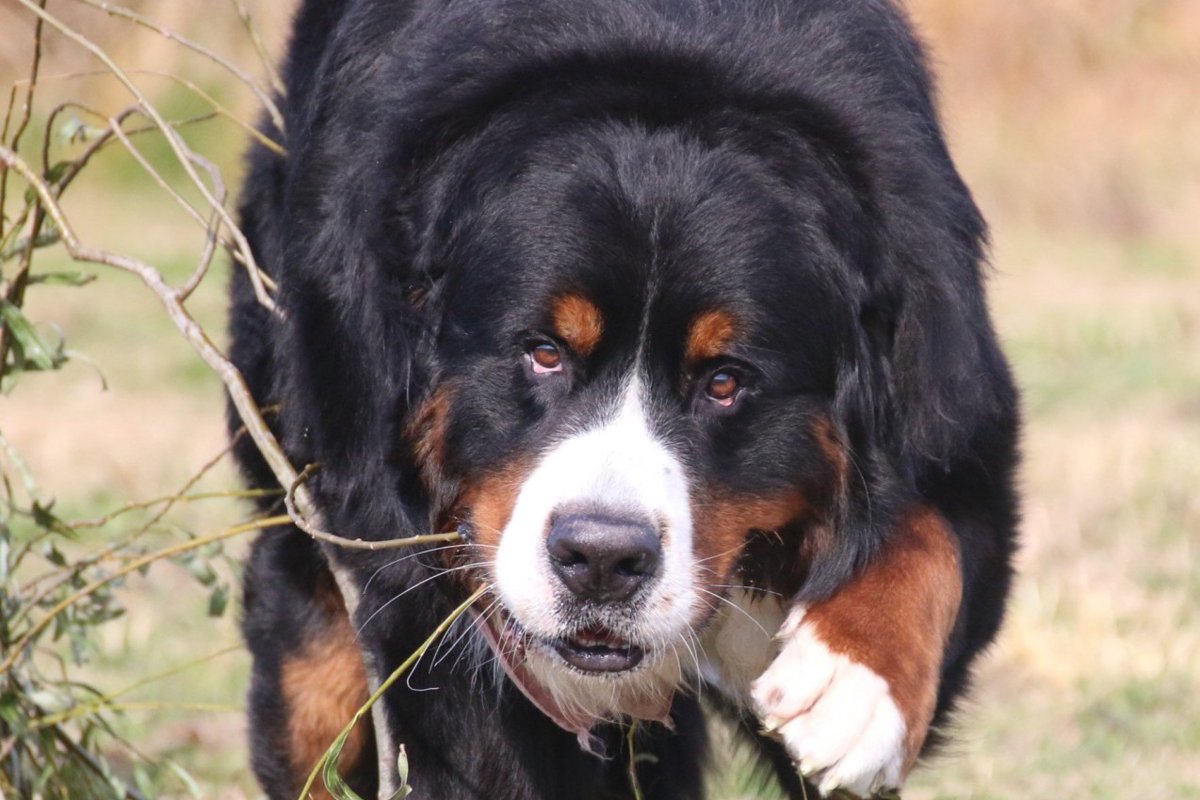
(673, 310)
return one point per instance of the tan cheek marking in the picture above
(830, 443)
(724, 522)
(488, 505)
(322, 688)
(896, 616)
(426, 431)
(710, 335)
(579, 322)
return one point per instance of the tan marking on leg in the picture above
(579, 322)
(896, 616)
(710, 335)
(322, 688)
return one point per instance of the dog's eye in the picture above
(545, 359)
(723, 388)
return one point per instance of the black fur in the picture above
(449, 162)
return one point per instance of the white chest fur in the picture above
(740, 644)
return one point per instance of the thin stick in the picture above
(133, 566)
(146, 22)
(297, 500)
(15, 294)
(258, 279)
(268, 63)
(353, 544)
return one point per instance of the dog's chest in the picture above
(741, 643)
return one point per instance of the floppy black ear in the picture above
(923, 376)
(947, 378)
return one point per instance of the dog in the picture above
(674, 311)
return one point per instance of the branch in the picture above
(353, 544)
(300, 506)
(133, 566)
(146, 22)
(257, 278)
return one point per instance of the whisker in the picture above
(418, 584)
(394, 562)
(734, 605)
(474, 622)
(467, 624)
(743, 587)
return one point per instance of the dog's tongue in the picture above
(510, 649)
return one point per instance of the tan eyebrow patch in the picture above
(710, 335)
(579, 322)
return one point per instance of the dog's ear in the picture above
(923, 378)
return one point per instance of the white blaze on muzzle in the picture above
(618, 465)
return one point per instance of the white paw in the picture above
(836, 717)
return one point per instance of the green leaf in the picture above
(55, 556)
(76, 131)
(218, 600)
(145, 784)
(329, 774)
(186, 778)
(57, 171)
(50, 701)
(75, 278)
(33, 346)
(46, 520)
(49, 235)
(402, 770)
(201, 571)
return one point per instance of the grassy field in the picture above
(1078, 127)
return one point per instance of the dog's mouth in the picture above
(598, 649)
(594, 650)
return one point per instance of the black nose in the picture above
(603, 558)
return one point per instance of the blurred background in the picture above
(1077, 125)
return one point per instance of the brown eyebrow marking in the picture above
(579, 322)
(710, 335)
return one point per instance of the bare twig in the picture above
(299, 504)
(268, 63)
(15, 291)
(106, 701)
(258, 279)
(27, 104)
(263, 96)
(253, 131)
(219, 110)
(239, 393)
(133, 566)
(303, 524)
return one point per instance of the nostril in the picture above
(635, 566)
(601, 557)
(565, 551)
(572, 560)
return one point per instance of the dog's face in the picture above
(638, 351)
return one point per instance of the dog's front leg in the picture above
(854, 687)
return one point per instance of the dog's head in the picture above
(641, 345)
(634, 371)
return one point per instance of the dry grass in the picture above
(1078, 127)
